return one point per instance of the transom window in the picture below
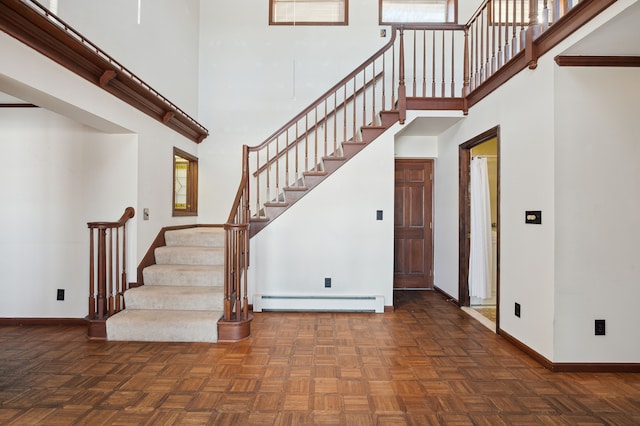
(308, 12)
(418, 11)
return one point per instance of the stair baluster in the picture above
(105, 299)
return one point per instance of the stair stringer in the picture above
(332, 232)
(328, 165)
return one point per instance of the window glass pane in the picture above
(315, 11)
(180, 184)
(416, 11)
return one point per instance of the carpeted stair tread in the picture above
(175, 255)
(200, 236)
(184, 275)
(182, 298)
(164, 326)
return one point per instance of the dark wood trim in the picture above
(18, 322)
(234, 331)
(18, 106)
(578, 16)
(464, 155)
(597, 61)
(465, 214)
(435, 103)
(97, 329)
(447, 296)
(61, 43)
(388, 309)
(572, 367)
(191, 209)
(526, 349)
(596, 367)
(500, 77)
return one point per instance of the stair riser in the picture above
(389, 118)
(189, 256)
(273, 212)
(331, 165)
(369, 135)
(352, 149)
(198, 237)
(311, 181)
(184, 302)
(163, 326)
(293, 196)
(180, 277)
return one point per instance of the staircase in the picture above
(329, 164)
(183, 297)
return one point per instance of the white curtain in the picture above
(480, 256)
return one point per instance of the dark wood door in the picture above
(413, 236)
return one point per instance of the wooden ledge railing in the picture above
(34, 25)
(107, 271)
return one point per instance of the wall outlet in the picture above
(600, 329)
(327, 283)
(517, 310)
(60, 294)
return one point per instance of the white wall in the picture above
(333, 232)
(131, 150)
(55, 174)
(162, 49)
(545, 267)
(416, 147)
(597, 204)
(527, 183)
(255, 77)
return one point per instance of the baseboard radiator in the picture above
(362, 303)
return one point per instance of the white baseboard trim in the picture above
(360, 303)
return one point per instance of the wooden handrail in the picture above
(328, 93)
(34, 25)
(107, 269)
(320, 122)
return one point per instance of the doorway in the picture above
(413, 234)
(483, 297)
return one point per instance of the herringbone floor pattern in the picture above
(426, 363)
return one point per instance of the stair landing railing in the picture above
(107, 271)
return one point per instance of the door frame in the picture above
(428, 261)
(464, 158)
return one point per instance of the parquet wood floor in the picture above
(426, 363)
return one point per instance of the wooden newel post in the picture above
(102, 271)
(402, 89)
(533, 31)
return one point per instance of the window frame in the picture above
(191, 208)
(309, 23)
(452, 14)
